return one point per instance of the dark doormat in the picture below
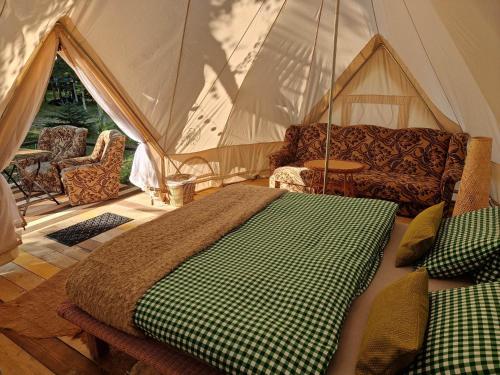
(88, 228)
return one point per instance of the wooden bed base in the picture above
(161, 357)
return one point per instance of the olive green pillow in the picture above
(419, 236)
(396, 326)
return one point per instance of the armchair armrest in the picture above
(280, 158)
(87, 183)
(26, 162)
(90, 183)
(63, 164)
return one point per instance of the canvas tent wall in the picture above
(219, 81)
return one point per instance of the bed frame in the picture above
(163, 358)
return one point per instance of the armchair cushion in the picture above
(96, 177)
(90, 183)
(63, 142)
(66, 163)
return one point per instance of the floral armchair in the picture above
(96, 177)
(63, 142)
(415, 167)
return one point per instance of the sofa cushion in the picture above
(398, 187)
(368, 184)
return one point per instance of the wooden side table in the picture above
(37, 155)
(345, 167)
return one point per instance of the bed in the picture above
(268, 293)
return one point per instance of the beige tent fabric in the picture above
(83, 58)
(225, 165)
(379, 76)
(419, 28)
(23, 26)
(15, 122)
(111, 100)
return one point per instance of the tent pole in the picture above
(330, 98)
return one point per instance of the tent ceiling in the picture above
(218, 73)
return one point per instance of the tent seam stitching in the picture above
(225, 65)
(314, 49)
(256, 56)
(178, 65)
(432, 65)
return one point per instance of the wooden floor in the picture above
(40, 258)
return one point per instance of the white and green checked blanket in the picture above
(270, 297)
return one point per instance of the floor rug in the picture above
(86, 229)
(33, 314)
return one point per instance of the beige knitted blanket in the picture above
(111, 280)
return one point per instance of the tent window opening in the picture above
(68, 102)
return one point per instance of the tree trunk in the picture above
(83, 100)
(75, 97)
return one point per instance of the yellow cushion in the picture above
(396, 326)
(419, 235)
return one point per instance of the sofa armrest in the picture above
(455, 161)
(280, 158)
(448, 181)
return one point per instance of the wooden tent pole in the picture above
(330, 98)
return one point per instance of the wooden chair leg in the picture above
(97, 347)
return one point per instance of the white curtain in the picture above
(143, 173)
(15, 122)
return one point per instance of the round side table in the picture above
(345, 167)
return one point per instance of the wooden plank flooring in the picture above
(41, 258)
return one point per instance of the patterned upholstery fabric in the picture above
(413, 167)
(96, 177)
(64, 142)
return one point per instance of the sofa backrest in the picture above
(414, 151)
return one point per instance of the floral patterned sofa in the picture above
(96, 177)
(415, 167)
(64, 142)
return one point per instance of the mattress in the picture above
(344, 360)
(271, 296)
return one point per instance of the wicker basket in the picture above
(180, 189)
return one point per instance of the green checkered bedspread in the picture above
(270, 297)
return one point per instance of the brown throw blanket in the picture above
(108, 284)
